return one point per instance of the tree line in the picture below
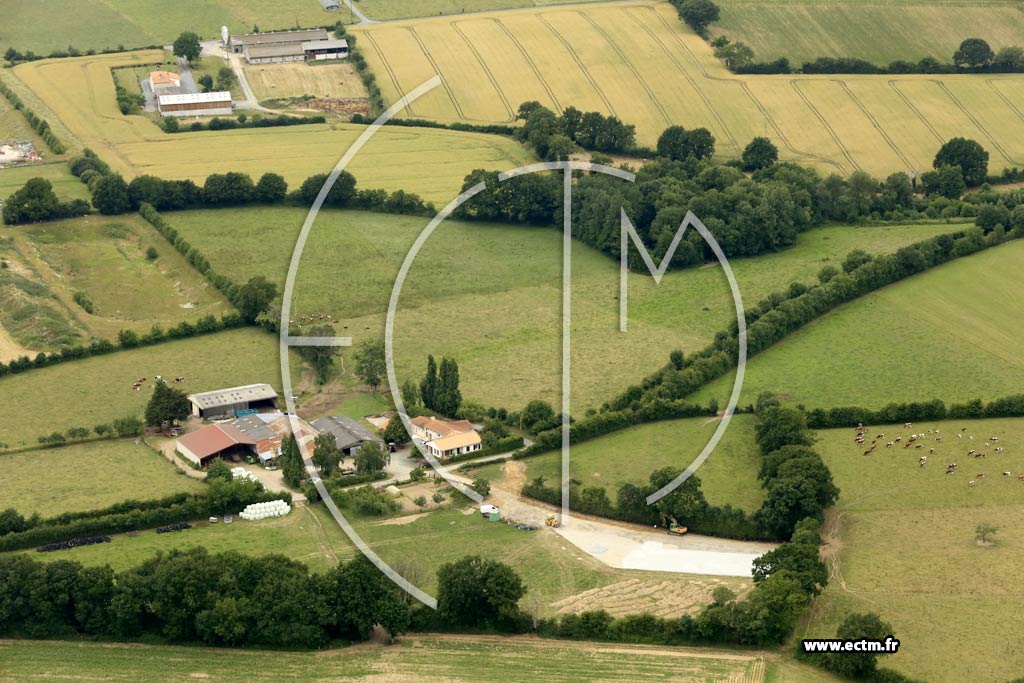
(38, 124)
(916, 411)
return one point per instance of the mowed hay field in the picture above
(80, 93)
(417, 659)
(639, 62)
(296, 79)
(803, 30)
(104, 259)
(728, 476)
(88, 476)
(99, 389)
(901, 543)
(952, 333)
(103, 24)
(503, 285)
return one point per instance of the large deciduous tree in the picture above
(970, 156)
(477, 592)
(187, 45)
(167, 404)
(254, 297)
(371, 363)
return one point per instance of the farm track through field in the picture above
(486, 70)
(991, 84)
(387, 67)
(1002, 152)
(824, 122)
(746, 90)
(529, 60)
(579, 63)
(874, 123)
(917, 112)
(629, 65)
(693, 83)
(437, 70)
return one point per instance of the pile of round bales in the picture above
(273, 508)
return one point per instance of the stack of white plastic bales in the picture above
(242, 473)
(273, 508)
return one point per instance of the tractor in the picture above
(552, 521)
(673, 525)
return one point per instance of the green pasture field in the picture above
(98, 390)
(728, 476)
(80, 93)
(415, 658)
(65, 185)
(502, 283)
(304, 535)
(639, 62)
(108, 24)
(951, 333)
(880, 33)
(383, 10)
(901, 543)
(88, 476)
(105, 258)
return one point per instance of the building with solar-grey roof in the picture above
(226, 403)
(275, 46)
(348, 433)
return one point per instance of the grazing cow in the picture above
(979, 475)
(970, 483)
(899, 438)
(923, 461)
(880, 436)
(908, 425)
(1006, 474)
(931, 450)
(993, 438)
(920, 445)
(971, 452)
(959, 436)
(889, 445)
(938, 438)
(1020, 477)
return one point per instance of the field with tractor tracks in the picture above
(640, 63)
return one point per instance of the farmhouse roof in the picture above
(207, 441)
(347, 432)
(253, 427)
(164, 78)
(232, 395)
(195, 98)
(442, 427)
(460, 440)
(272, 37)
(332, 44)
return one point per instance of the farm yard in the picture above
(729, 476)
(419, 659)
(430, 162)
(99, 389)
(950, 333)
(104, 262)
(877, 32)
(87, 476)
(490, 275)
(901, 543)
(576, 56)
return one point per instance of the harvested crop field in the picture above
(668, 75)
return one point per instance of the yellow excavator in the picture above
(672, 524)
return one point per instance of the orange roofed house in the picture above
(161, 81)
(444, 439)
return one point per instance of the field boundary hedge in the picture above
(38, 124)
(916, 411)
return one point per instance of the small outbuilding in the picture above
(349, 435)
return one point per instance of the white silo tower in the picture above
(224, 35)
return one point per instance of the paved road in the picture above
(188, 83)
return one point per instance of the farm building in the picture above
(330, 5)
(202, 446)
(348, 433)
(195, 104)
(163, 81)
(456, 444)
(443, 439)
(325, 49)
(430, 428)
(224, 403)
(274, 46)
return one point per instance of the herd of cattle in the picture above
(916, 441)
(137, 384)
